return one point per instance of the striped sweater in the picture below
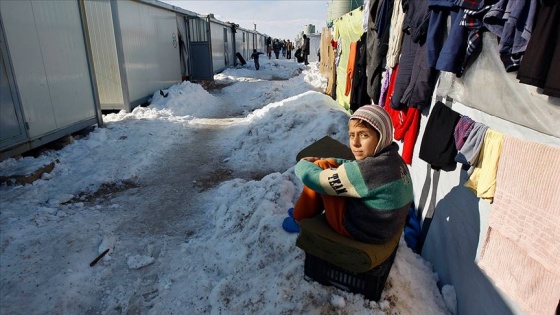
(378, 188)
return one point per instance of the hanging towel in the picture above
(521, 251)
(483, 179)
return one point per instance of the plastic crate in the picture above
(370, 284)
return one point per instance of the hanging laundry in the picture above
(376, 50)
(348, 29)
(462, 131)
(438, 145)
(483, 179)
(350, 67)
(472, 21)
(468, 154)
(395, 35)
(416, 81)
(446, 55)
(512, 21)
(358, 95)
(541, 62)
(406, 122)
(385, 86)
(520, 251)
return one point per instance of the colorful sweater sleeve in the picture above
(346, 180)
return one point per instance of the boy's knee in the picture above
(326, 163)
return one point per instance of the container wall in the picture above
(104, 53)
(50, 66)
(150, 49)
(218, 46)
(12, 126)
(241, 43)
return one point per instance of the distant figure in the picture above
(276, 47)
(299, 56)
(305, 49)
(269, 47)
(255, 56)
(289, 48)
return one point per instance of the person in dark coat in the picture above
(298, 55)
(276, 47)
(305, 49)
(289, 48)
(269, 47)
(255, 56)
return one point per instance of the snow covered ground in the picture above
(188, 195)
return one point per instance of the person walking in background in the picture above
(276, 47)
(283, 48)
(305, 49)
(269, 47)
(289, 48)
(255, 56)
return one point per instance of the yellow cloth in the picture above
(483, 179)
(347, 29)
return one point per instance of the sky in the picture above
(282, 19)
(188, 196)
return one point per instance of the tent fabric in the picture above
(502, 96)
(524, 226)
(348, 29)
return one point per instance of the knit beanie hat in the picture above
(377, 117)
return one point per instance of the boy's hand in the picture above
(311, 158)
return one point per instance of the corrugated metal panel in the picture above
(47, 49)
(240, 47)
(217, 40)
(12, 128)
(104, 52)
(151, 49)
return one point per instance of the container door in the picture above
(12, 126)
(200, 51)
(226, 47)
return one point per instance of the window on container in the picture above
(197, 30)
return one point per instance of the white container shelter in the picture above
(138, 48)
(47, 88)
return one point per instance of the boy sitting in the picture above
(366, 199)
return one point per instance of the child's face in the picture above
(363, 140)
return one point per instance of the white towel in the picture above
(521, 252)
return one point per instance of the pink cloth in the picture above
(521, 252)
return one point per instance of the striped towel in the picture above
(521, 252)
